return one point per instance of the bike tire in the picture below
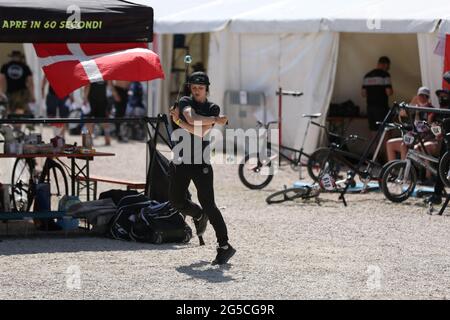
(384, 167)
(55, 175)
(444, 166)
(243, 169)
(288, 194)
(316, 161)
(22, 185)
(390, 175)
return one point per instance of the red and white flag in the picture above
(69, 66)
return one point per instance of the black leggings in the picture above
(202, 175)
(121, 106)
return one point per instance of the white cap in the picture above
(423, 90)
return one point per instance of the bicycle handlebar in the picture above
(290, 93)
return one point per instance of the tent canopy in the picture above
(29, 21)
(298, 16)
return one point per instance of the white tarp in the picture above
(431, 61)
(286, 16)
(380, 16)
(444, 27)
(303, 62)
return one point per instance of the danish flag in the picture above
(69, 66)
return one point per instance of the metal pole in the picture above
(280, 119)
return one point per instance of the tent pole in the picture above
(280, 120)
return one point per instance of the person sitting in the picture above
(396, 145)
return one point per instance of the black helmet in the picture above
(447, 76)
(446, 91)
(199, 77)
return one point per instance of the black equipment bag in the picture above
(127, 210)
(160, 223)
(141, 219)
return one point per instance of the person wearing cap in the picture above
(377, 88)
(16, 80)
(196, 115)
(396, 145)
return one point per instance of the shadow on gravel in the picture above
(35, 245)
(205, 271)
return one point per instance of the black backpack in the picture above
(127, 210)
(160, 223)
(141, 219)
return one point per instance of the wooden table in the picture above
(75, 169)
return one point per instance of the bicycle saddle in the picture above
(312, 116)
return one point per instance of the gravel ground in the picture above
(372, 249)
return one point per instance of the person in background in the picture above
(396, 145)
(56, 107)
(120, 95)
(16, 80)
(376, 88)
(95, 94)
(135, 97)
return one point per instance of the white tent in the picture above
(264, 44)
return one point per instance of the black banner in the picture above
(74, 21)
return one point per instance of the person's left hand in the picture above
(175, 114)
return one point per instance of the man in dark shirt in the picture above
(196, 115)
(377, 88)
(95, 95)
(17, 81)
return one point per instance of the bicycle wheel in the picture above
(254, 172)
(395, 186)
(288, 194)
(316, 162)
(22, 184)
(444, 166)
(54, 175)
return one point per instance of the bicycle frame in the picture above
(420, 159)
(380, 133)
(296, 161)
(343, 156)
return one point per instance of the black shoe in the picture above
(223, 255)
(434, 199)
(200, 224)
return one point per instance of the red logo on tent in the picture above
(69, 66)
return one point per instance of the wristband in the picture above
(178, 122)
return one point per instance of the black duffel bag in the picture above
(160, 223)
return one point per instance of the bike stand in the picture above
(342, 197)
(444, 206)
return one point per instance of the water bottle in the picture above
(86, 139)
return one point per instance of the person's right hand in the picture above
(222, 120)
(174, 113)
